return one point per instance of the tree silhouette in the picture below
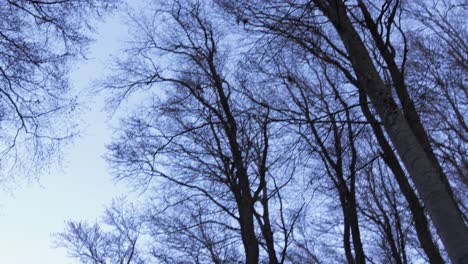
(38, 43)
(294, 131)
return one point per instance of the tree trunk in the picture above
(420, 221)
(357, 243)
(441, 207)
(248, 234)
(241, 190)
(408, 107)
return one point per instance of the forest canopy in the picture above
(268, 131)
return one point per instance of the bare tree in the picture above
(38, 42)
(334, 138)
(193, 231)
(203, 135)
(338, 33)
(298, 132)
(116, 240)
(441, 69)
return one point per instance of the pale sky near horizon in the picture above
(81, 189)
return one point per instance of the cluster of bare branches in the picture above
(291, 132)
(38, 42)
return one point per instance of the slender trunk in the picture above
(351, 230)
(347, 194)
(268, 233)
(420, 221)
(347, 232)
(266, 227)
(427, 177)
(409, 109)
(242, 191)
(246, 219)
(358, 248)
(357, 243)
(245, 202)
(246, 214)
(391, 242)
(249, 239)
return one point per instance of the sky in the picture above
(81, 188)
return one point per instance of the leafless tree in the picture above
(116, 240)
(360, 38)
(193, 231)
(38, 43)
(438, 66)
(294, 131)
(203, 134)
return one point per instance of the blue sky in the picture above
(81, 188)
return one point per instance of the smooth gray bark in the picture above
(441, 207)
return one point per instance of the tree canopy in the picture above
(272, 131)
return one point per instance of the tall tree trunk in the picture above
(408, 107)
(427, 177)
(420, 221)
(347, 193)
(249, 239)
(241, 190)
(357, 243)
(267, 232)
(346, 232)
